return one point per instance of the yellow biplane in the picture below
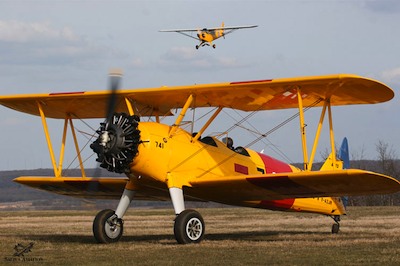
(166, 162)
(207, 35)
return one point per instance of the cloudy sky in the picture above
(57, 46)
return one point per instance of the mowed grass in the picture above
(234, 236)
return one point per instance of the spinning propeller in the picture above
(119, 137)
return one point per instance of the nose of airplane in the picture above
(117, 143)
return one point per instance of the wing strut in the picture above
(317, 134)
(78, 152)
(331, 135)
(327, 105)
(181, 115)
(49, 145)
(58, 169)
(302, 129)
(129, 106)
(207, 124)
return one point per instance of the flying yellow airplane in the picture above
(207, 35)
(166, 162)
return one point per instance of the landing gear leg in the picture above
(189, 226)
(108, 225)
(336, 225)
(177, 199)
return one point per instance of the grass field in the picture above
(234, 236)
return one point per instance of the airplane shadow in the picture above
(268, 236)
(168, 239)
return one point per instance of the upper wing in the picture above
(233, 27)
(216, 28)
(179, 30)
(296, 185)
(247, 96)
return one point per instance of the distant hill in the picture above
(14, 196)
(17, 196)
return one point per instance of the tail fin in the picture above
(222, 33)
(344, 154)
(343, 161)
(345, 158)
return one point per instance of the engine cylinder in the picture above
(117, 143)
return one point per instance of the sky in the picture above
(60, 46)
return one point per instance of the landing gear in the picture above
(107, 227)
(197, 47)
(189, 227)
(213, 46)
(336, 225)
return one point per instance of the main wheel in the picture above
(189, 227)
(335, 228)
(105, 230)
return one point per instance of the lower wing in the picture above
(230, 189)
(336, 183)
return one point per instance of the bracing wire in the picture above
(286, 121)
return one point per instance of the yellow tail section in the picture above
(332, 164)
(323, 205)
(220, 32)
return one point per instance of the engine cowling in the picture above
(117, 143)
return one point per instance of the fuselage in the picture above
(163, 159)
(209, 35)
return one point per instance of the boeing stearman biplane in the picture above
(166, 162)
(207, 35)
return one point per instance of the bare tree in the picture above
(358, 159)
(387, 165)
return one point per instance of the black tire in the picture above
(189, 227)
(103, 232)
(335, 228)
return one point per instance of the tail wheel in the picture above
(336, 225)
(107, 228)
(335, 228)
(189, 227)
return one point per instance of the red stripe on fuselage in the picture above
(273, 165)
(277, 205)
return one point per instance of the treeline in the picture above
(386, 163)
